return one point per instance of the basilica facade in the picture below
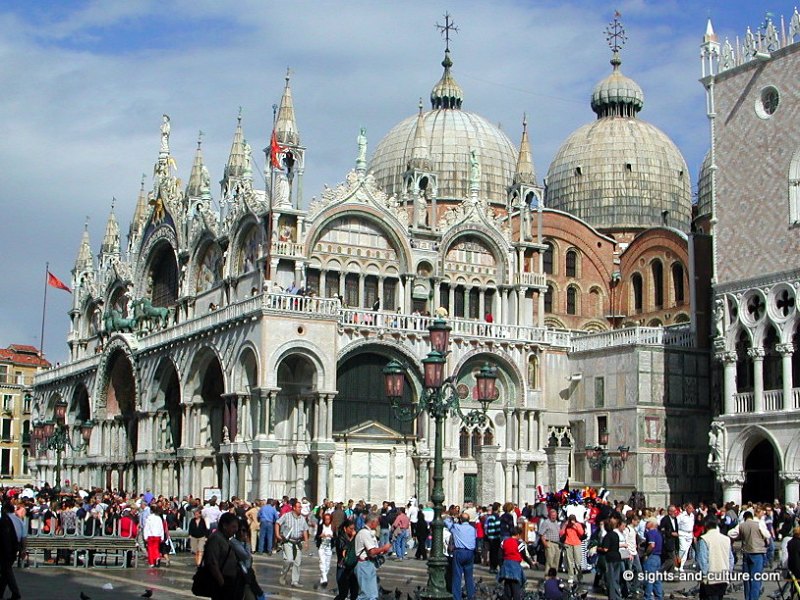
(200, 366)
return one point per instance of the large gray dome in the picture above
(451, 134)
(620, 172)
(447, 136)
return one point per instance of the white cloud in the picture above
(80, 121)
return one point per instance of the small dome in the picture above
(617, 94)
(704, 187)
(451, 134)
(618, 173)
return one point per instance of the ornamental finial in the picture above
(616, 38)
(446, 29)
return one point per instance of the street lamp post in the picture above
(440, 400)
(599, 458)
(55, 435)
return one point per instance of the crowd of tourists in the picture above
(571, 536)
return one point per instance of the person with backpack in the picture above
(492, 530)
(346, 561)
(369, 553)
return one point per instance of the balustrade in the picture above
(773, 400)
(744, 402)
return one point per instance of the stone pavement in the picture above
(174, 582)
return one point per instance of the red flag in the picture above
(274, 149)
(54, 281)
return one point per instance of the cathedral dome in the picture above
(449, 134)
(704, 187)
(620, 172)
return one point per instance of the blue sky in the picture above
(85, 84)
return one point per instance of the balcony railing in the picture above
(634, 336)
(745, 402)
(287, 248)
(531, 279)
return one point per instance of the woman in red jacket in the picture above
(514, 550)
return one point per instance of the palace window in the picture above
(547, 259)
(463, 443)
(8, 402)
(5, 430)
(636, 284)
(548, 299)
(658, 284)
(5, 462)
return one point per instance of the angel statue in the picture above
(362, 146)
(475, 168)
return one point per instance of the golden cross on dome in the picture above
(446, 29)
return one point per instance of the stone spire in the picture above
(420, 157)
(110, 245)
(285, 125)
(84, 261)
(140, 213)
(524, 172)
(238, 160)
(199, 181)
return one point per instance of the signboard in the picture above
(210, 491)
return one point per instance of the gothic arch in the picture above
(388, 348)
(747, 439)
(244, 246)
(80, 405)
(791, 460)
(207, 266)
(151, 250)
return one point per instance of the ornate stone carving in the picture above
(734, 479)
(756, 353)
(716, 444)
(785, 349)
(789, 476)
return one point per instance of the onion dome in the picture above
(450, 134)
(620, 172)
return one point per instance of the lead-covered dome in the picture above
(704, 187)
(620, 172)
(447, 137)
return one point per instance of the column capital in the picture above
(756, 353)
(734, 479)
(785, 349)
(789, 476)
(726, 357)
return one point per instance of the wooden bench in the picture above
(101, 551)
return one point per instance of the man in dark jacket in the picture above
(793, 552)
(669, 533)
(9, 548)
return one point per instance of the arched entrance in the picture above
(121, 427)
(761, 473)
(295, 414)
(163, 276)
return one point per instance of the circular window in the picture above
(767, 102)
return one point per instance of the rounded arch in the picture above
(494, 246)
(167, 402)
(80, 405)
(554, 322)
(361, 397)
(398, 238)
(507, 368)
(573, 299)
(245, 243)
(791, 460)
(637, 292)
(116, 349)
(681, 318)
(160, 279)
(595, 326)
(302, 347)
(206, 356)
(245, 376)
(572, 267)
(550, 256)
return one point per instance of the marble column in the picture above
(241, 467)
(264, 474)
(329, 417)
(226, 477)
(786, 351)
(509, 482)
(791, 482)
(728, 360)
(757, 354)
(300, 483)
(233, 477)
(732, 487)
(323, 468)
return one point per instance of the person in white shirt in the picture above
(685, 533)
(367, 549)
(633, 564)
(211, 513)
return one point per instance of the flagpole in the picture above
(271, 194)
(44, 309)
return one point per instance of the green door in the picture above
(470, 488)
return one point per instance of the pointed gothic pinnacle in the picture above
(110, 243)
(236, 159)
(524, 172)
(194, 188)
(710, 36)
(84, 262)
(285, 124)
(419, 153)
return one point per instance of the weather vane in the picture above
(446, 29)
(615, 33)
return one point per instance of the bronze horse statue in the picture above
(143, 310)
(114, 321)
